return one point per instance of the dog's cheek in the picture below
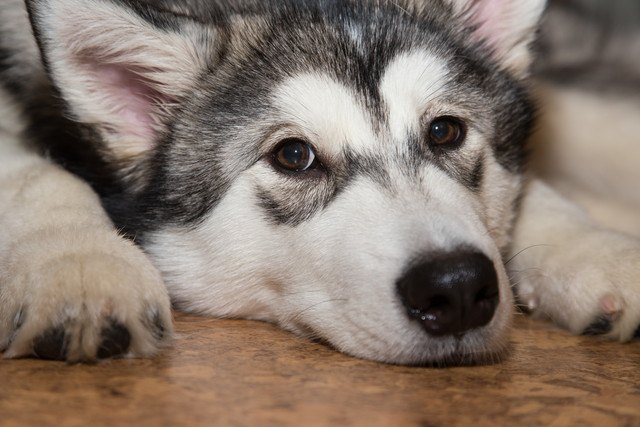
(228, 263)
(499, 199)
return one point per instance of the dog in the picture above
(352, 171)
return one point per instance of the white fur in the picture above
(322, 108)
(61, 260)
(573, 266)
(97, 45)
(571, 270)
(333, 276)
(412, 87)
(410, 84)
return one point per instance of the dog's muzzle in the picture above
(451, 293)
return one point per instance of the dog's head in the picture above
(348, 170)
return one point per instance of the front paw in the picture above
(83, 306)
(589, 285)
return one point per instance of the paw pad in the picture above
(52, 345)
(155, 324)
(115, 340)
(601, 326)
(611, 306)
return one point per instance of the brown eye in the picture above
(446, 131)
(294, 154)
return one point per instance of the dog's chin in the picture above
(395, 338)
(481, 346)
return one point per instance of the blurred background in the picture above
(593, 43)
(587, 84)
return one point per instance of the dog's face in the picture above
(348, 171)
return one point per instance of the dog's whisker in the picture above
(374, 152)
(286, 294)
(396, 4)
(311, 307)
(518, 276)
(367, 332)
(526, 249)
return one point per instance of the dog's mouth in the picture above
(483, 345)
(447, 309)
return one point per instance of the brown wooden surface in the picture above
(250, 373)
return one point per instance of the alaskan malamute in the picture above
(353, 171)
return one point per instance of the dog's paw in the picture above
(81, 305)
(589, 285)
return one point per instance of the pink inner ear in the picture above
(129, 99)
(490, 16)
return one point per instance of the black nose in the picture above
(451, 293)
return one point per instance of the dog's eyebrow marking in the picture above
(326, 108)
(408, 83)
(368, 165)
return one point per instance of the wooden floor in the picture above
(248, 373)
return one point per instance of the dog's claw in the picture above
(601, 326)
(19, 319)
(611, 306)
(52, 344)
(156, 325)
(115, 341)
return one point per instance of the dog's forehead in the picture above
(337, 114)
(325, 111)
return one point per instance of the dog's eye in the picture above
(295, 155)
(446, 131)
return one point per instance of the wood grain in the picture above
(242, 373)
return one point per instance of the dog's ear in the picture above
(120, 66)
(507, 27)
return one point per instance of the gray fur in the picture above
(187, 177)
(212, 150)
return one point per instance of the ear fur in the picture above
(116, 70)
(507, 27)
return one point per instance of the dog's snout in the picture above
(451, 293)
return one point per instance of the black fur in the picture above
(601, 326)
(188, 172)
(52, 344)
(311, 192)
(115, 340)
(241, 100)
(6, 64)
(157, 326)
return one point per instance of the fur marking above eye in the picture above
(294, 155)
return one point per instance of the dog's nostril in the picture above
(434, 307)
(434, 313)
(451, 293)
(487, 294)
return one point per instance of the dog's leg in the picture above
(566, 267)
(70, 287)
